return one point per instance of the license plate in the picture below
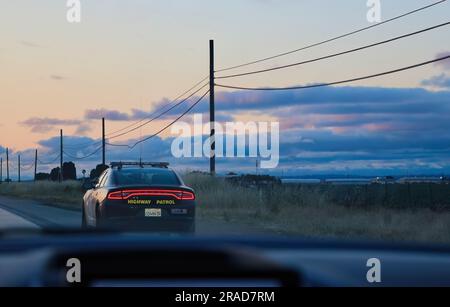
(152, 212)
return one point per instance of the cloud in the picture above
(445, 64)
(82, 142)
(441, 81)
(135, 114)
(112, 115)
(44, 125)
(366, 130)
(29, 44)
(342, 96)
(83, 129)
(57, 77)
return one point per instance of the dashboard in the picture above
(121, 259)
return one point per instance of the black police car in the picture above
(140, 196)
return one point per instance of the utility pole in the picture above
(212, 159)
(35, 164)
(103, 142)
(18, 167)
(1, 170)
(7, 165)
(61, 157)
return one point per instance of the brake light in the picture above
(187, 195)
(115, 195)
(126, 194)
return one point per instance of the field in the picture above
(415, 212)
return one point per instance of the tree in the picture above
(42, 176)
(69, 171)
(99, 169)
(54, 174)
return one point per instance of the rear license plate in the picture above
(152, 212)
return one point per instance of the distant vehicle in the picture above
(141, 196)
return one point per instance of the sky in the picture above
(129, 58)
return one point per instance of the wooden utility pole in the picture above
(35, 164)
(1, 170)
(103, 142)
(212, 159)
(18, 167)
(7, 165)
(61, 157)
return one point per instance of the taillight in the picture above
(187, 195)
(115, 195)
(126, 194)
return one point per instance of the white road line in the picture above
(9, 220)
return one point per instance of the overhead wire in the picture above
(165, 127)
(333, 38)
(335, 54)
(335, 82)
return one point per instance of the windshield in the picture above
(145, 177)
(304, 119)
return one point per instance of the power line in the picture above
(142, 120)
(50, 162)
(27, 168)
(88, 144)
(334, 38)
(336, 54)
(178, 97)
(161, 114)
(336, 82)
(164, 128)
(173, 122)
(83, 157)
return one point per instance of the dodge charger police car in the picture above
(141, 196)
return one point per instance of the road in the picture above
(40, 214)
(24, 213)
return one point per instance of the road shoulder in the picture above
(9, 220)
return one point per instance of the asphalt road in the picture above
(40, 214)
(24, 213)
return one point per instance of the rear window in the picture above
(146, 177)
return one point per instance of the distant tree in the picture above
(69, 171)
(42, 176)
(54, 174)
(99, 169)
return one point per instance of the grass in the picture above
(67, 194)
(394, 212)
(419, 212)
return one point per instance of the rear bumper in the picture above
(125, 217)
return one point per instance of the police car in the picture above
(140, 196)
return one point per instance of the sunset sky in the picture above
(128, 58)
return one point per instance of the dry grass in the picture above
(67, 194)
(308, 211)
(313, 211)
